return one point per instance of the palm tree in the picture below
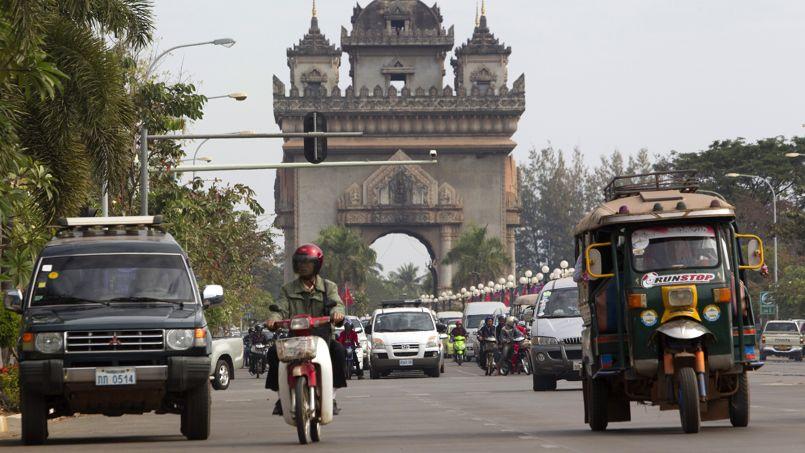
(347, 258)
(407, 279)
(476, 257)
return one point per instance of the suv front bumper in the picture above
(389, 364)
(782, 351)
(562, 361)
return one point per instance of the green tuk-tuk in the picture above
(667, 318)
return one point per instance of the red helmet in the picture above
(308, 252)
(459, 323)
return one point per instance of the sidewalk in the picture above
(9, 425)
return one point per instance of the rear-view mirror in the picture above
(212, 295)
(13, 301)
(595, 260)
(754, 251)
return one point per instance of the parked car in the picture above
(556, 335)
(782, 339)
(474, 315)
(405, 338)
(113, 324)
(226, 357)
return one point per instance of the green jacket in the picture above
(296, 300)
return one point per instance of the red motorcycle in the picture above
(306, 393)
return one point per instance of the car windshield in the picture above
(559, 303)
(475, 321)
(664, 248)
(781, 327)
(111, 279)
(403, 322)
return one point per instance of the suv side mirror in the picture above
(441, 328)
(212, 295)
(595, 261)
(754, 252)
(368, 329)
(13, 301)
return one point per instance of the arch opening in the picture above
(408, 265)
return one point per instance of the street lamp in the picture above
(237, 95)
(207, 139)
(773, 205)
(194, 159)
(793, 155)
(225, 42)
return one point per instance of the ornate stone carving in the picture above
(314, 76)
(482, 75)
(447, 91)
(378, 91)
(519, 85)
(279, 87)
(448, 195)
(400, 185)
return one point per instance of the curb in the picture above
(9, 423)
(3, 424)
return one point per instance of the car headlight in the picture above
(378, 343)
(49, 342)
(433, 342)
(545, 341)
(179, 339)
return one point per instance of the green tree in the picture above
(407, 279)
(347, 258)
(476, 257)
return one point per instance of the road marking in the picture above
(239, 401)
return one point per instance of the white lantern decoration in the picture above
(545, 269)
(563, 264)
(529, 274)
(524, 280)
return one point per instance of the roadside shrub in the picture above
(10, 389)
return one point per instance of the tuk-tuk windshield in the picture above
(559, 303)
(678, 247)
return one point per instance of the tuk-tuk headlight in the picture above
(681, 297)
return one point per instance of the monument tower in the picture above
(397, 97)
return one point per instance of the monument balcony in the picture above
(419, 38)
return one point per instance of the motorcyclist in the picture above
(310, 294)
(348, 337)
(499, 327)
(486, 331)
(507, 335)
(256, 335)
(247, 343)
(458, 330)
(521, 326)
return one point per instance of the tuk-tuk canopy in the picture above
(651, 206)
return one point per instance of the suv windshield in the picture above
(680, 247)
(559, 303)
(112, 278)
(403, 322)
(781, 327)
(474, 321)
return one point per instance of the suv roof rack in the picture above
(109, 226)
(629, 185)
(403, 303)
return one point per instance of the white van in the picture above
(556, 335)
(405, 338)
(474, 315)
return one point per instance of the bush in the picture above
(10, 389)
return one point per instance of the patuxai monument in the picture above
(398, 97)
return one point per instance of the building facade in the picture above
(397, 51)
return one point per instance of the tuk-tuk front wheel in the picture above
(739, 403)
(688, 399)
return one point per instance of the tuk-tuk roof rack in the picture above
(630, 185)
(109, 226)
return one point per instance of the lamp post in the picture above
(237, 95)
(773, 206)
(226, 42)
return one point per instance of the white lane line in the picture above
(239, 401)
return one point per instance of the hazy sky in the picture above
(600, 75)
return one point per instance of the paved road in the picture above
(462, 411)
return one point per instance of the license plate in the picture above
(115, 376)
(407, 362)
(576, 365)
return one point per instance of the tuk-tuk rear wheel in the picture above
(739, 403)
(688, 399)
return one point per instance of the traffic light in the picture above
(315, 148)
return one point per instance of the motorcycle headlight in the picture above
(49, 342)
(546, 341)
(433, 342)
(179, 339)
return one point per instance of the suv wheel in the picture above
(222, 376)
(196, 413)
(34, 417)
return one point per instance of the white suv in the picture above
(404, 339)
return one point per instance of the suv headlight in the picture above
(433, 342)
(378, 343)
(179, 339)
(546, 341)
(49, 342)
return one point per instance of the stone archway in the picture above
(373, 235)
(405, 199)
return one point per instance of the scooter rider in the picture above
(458, 330)
(350, 338)
(507, 335)
(313, 295)
(486, 331)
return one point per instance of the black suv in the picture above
(113, 324)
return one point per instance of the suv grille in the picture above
(571, 340)
(116, 341)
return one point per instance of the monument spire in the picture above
(314, 12)
(483, 8)
(477, 19)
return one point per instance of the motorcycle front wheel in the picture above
(301, 414)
